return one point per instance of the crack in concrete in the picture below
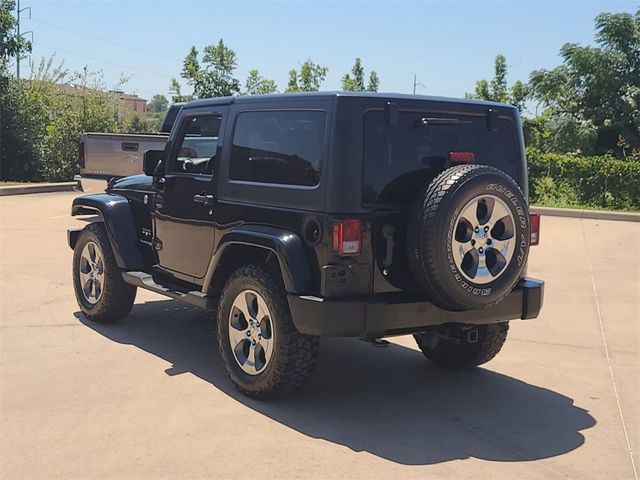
(606, 352)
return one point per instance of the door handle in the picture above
(206, 200)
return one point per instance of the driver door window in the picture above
(197, 145)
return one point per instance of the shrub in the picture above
(41, 121)
(599, 182)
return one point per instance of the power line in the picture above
(122, 45)
(103, 60)
(118, 44)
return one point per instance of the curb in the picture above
(591, 214)
(38, 188)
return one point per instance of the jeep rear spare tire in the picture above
(468, 237)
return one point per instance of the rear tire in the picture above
(451, 347)
(264, 355)
(102, 294)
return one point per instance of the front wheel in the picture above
(102, 294)
(264, 355)
(462, 347)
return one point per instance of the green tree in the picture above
(257, 85)
(14, 128)
(355, 83)
(156, 109)
(308, 79)
(213, 76)
(175, 90)
(598, 88)
(44, 119)
(374, 82)
(134, 123)
(292, 85)
(497, 89)
(158, 104)
(11, 45)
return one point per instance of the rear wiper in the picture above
(430, 122)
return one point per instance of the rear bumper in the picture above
(374, 317)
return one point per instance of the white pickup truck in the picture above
(103, 156)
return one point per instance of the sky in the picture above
(448, 45)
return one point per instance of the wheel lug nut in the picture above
(486, 229)
(477, 229)
(488, 241)
(473, 242)
(480, 249)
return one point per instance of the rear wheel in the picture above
(265, 356)
(462, 347)
(102, 294)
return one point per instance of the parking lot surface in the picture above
(148, 398)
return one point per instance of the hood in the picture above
(134, 182)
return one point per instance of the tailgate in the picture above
(117, 155)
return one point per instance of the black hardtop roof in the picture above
(332, 94)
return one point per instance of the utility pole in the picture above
(19, 11)
(416, 83)
(18, 55)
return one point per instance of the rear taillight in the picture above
(81, 155)
(347, 237)
(534, 222)
(462, 157)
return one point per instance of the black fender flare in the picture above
(287, 246)
(117, 216)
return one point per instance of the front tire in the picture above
(458, 347)
(264, 355)
(102, 294)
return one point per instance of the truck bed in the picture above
(107, 155)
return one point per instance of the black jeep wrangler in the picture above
(341, 214)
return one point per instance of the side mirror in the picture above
(152, 159)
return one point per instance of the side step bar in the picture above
(144, 280)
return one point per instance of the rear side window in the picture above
(170, 119)
(282, 147)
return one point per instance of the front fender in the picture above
(118, 220)
(287, 246)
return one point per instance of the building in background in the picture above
(128, 104)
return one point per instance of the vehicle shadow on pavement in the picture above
(390, 402)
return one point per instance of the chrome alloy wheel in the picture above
(91, 272)
(251, 332)
(484, 239)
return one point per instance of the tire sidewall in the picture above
(237, 283)
(493, 182)
(86, 237)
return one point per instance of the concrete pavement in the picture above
(148, 398)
